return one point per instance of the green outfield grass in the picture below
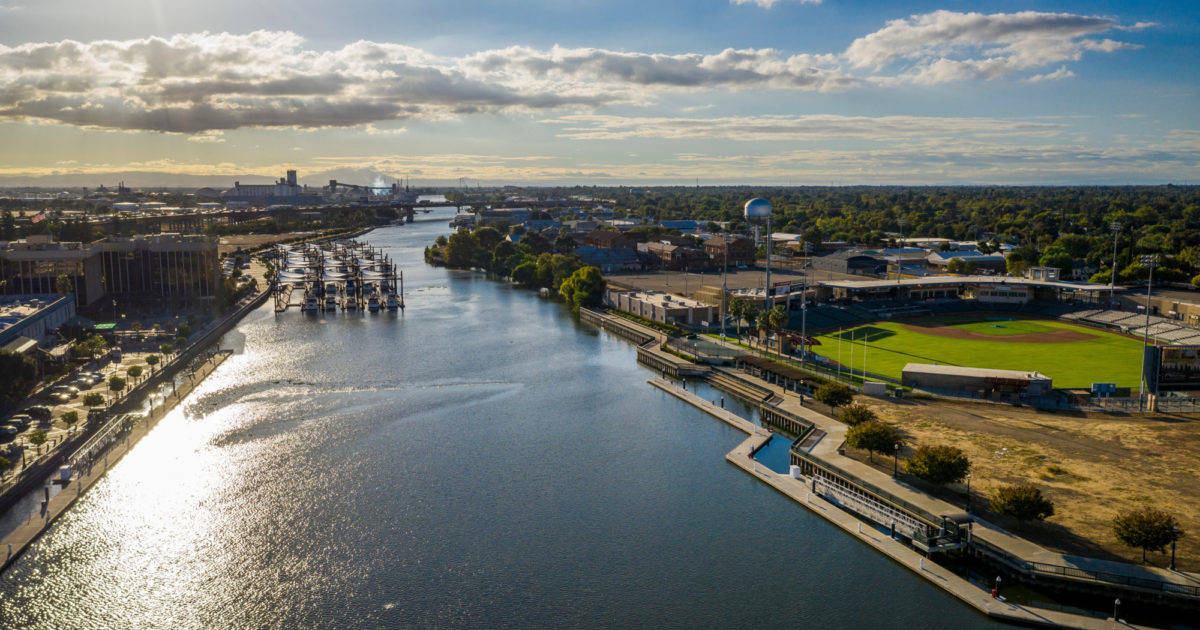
(1104, 358)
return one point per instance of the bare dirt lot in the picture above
(231, 244)
(687, 284)
(1091, 466)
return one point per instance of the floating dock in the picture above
(340, 275)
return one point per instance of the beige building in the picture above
(662, 307)
(141, 267)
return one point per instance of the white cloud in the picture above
(792, 128)
(939, 44)
(730, 68)
(200, 82)
(1061, 73)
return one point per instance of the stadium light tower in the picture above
(1112, 277)
(899, 257)
(1151, 261)
(759, 209)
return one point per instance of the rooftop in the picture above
(667, 300)
(935, 281)
(956, 370)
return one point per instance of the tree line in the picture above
(532, 262)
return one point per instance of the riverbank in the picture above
(797, 490)
(14, 544)
(823, 447)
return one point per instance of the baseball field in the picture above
(1073, 356)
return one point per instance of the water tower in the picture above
(759, 210)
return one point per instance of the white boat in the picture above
(393, 302)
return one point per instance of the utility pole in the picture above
(804, 317)
(724, 284)
(1112, 280)
(1151, 261)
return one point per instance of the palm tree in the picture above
(737, 308)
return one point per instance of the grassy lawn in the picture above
(1105, 358)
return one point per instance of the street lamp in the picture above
(1151, 261)
(969, 504)
(1112, 280)
(1116, 604)
(895, 459)
(899, 258)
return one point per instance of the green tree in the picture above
(834, 395)
(460, 250)
(525, 274)
(166, 348)
(94, 399)
(962, 267)
(873, 437)
(856, 414)
(134, 371)
(17, 374)
(503, 251)
(37, 437)
(750, 313)
(585, 287)
(565, 244)
(116, 383)
(1057, 256)
(63, 284)
(152, 359)
(1023, 502)
(1020, 259)
(183, 330)
(1147, 528)
(4, 463)
(69, 418)
(1196, 281)
(737, 309)
(938, 465)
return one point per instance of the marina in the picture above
(341, 275)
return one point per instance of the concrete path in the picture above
(898, 551)
(19, 540)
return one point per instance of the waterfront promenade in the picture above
(899, 552)
(17, 541)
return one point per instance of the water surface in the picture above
(480, 460)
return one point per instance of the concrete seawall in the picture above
(899, 552)
(13, 545)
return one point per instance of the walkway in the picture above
(898, 551)
(15, 543)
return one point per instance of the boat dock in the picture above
(800, 490)
(344, 275)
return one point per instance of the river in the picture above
(480, 460)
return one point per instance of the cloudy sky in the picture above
(599, 91)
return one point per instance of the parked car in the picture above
(8, 433)
(21, 421)
(57, 398)
(40, 412)
(116, 355)
(69, 390)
